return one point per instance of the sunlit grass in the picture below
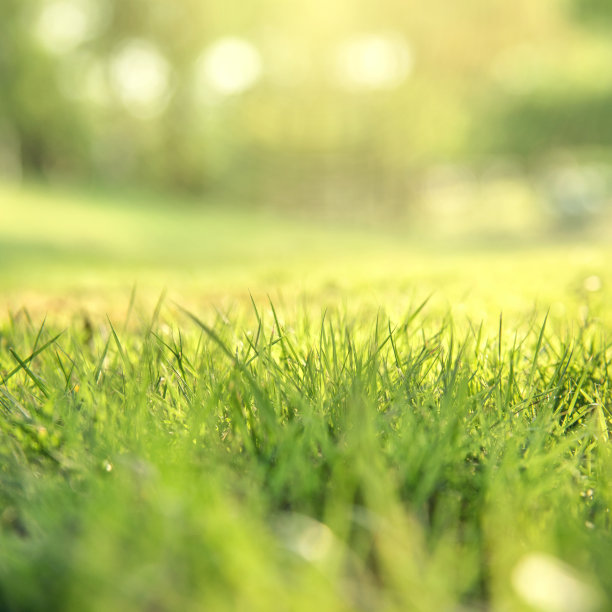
(89, 248)
(348, 463)
(400, 425)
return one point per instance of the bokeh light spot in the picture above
(63, 25)
(140, 76)
(229, 66)
(373, 62)
(547, 584)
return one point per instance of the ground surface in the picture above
(308, 417)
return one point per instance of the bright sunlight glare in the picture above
(229, 66)
(549, 585)
(140, 76)
(373, 61)
(63, 25)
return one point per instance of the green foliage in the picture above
(50, 131)
(254, 462)
(594, 12)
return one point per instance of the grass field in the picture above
(308, 418)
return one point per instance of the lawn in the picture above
(227, 410)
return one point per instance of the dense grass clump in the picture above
(330, 463)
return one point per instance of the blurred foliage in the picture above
(593, 11)
(308, 104)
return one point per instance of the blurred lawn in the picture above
(61, 250)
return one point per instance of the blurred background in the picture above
(480, 116)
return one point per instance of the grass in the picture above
(58, 244)
(357, 447)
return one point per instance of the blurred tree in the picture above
(562, 102)
(51, 132)
(309, 102)
(596, 12)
